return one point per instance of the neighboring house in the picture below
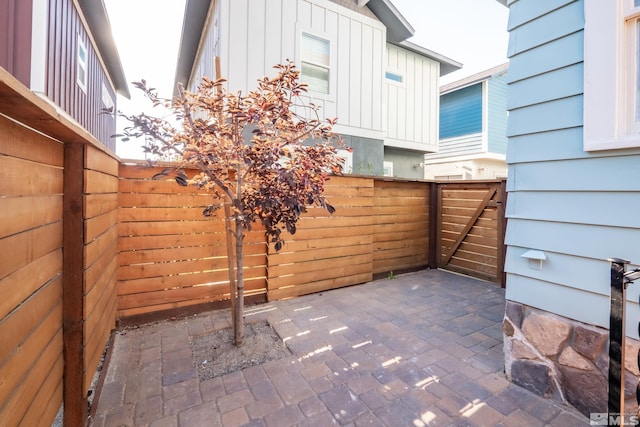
(573, 193)
(64, 51)
(473, 128)
(354, 56)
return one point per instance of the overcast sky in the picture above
(147, 33)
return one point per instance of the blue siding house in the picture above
(573, 193)
(473, 128)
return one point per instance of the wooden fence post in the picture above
(502, 228)
(434, 218)
(75, 405)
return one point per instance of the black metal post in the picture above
(616, 337)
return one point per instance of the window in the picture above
(107, 101)
(81, 71)
(611, 74)
(387, 168)
(315, 62)
(394, 77)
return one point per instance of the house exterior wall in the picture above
(413, 105)
(577, 207)
(15, 40)
(461, 112)
(64, 26)
(255, 36)
(497, 115)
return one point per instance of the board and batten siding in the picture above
(578, 207)
(65, 26)
(413, 105)
(256, 35)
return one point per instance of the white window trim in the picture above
(387, 168)
(82, 64)
(393, 82)
(333, 70)
(607, 78)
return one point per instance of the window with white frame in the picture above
(387, 168)
(81, 71)
(315, 63)
(611, 74)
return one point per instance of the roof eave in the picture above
(98, 21)
(398, 28)
(447, 65)
(195, 16)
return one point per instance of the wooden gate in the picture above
(471, 228)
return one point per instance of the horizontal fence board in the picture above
(48, 363)
(18, 286)
(25, 178)
(93, 274)
(179, 227)
(20, 323)
(317, 265)
(129, 272)
(154, 200)
(319, 286)
(99, 182)
(100, 161)
(20, 371)
(22, 249)
(98, 204)
(321, 254)
(47, 402)
(319, 275)
(18, 214)
(163, 214)
(330, 242)
(205, 293)
(211, 278)
(23, 143)
(106, 244)
(99, 225)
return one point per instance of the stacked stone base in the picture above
(564, 360)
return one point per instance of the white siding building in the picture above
(352, 54)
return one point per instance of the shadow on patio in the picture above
(421, 349)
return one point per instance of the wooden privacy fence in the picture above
(471, 228)
(86, 240)
(171, 256)
(58, 239)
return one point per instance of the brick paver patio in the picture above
(422, 349)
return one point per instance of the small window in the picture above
(347, 160)
(393, 77)
(81, 72)
(387, 168)
(107, 101)
(315, 63)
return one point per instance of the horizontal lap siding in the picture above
(577, 207)
(170, 255)
(328, 250)
(101, 255)
(401, 230)
(31, 172)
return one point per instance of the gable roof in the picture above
(447, 65)
(475, 78)
(98, 21)
(398, 31)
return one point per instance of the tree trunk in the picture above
(239, 311)
(230, 262)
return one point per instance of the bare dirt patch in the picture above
(215, 354)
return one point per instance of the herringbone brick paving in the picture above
(422, 349)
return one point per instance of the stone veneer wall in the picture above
(564, 360)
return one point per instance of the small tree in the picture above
(250, 156)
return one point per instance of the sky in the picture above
(147, 33)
